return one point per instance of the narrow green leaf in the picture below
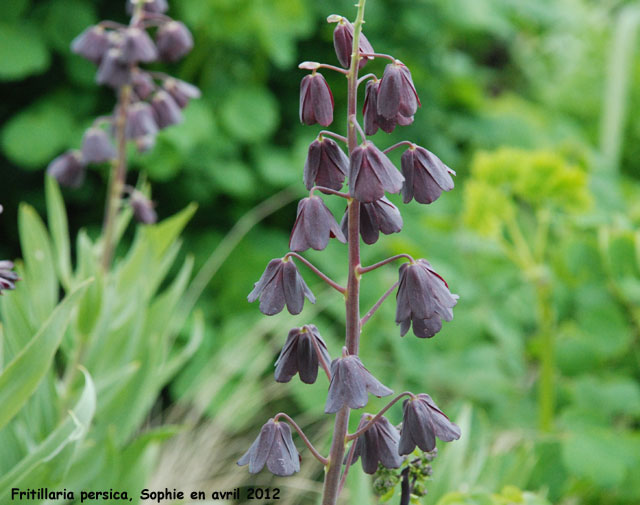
(21, 377)
(40, 273)
(72, 429)
(178, 361)
(57, 217)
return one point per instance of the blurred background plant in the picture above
(530, 102)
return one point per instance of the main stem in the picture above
(117, 180)
(352, 297)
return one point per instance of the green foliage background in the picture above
(532, 102)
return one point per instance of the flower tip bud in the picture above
(309, 65)
(334, 18)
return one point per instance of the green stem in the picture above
(352, 297)
(117, 179)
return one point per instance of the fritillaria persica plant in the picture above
(147, 102)
(423, 297)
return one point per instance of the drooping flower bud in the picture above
(165, 109)
(140, 121)
(343, 43)
(113, 71)
(397, 94)
(423, 300)
(97, 146)
(274, 447)
(174, 40)
(138, 46)
(425, 176)
(299, 355)
(143, 210)
(375, 217)
(68, 169)
(181, 91)
(316, 100)
(91, 44)
(281, 284)
(350, 383)
(326, 164)
(422, 422)
(379, 444)
(314, 226)
(371, 174)
(373, 120)
(143, 84)
(8, 277)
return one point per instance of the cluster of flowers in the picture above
(154, 100)
(423, 297)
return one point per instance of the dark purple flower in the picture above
(379, 444)
(143, 84)
(422, 422)
(174, 40)
(299, 355)
(8, 277)
(373, 120)
(165, 109)
(113, 70)
(314, 226)
(68, 169)
(375, 217)
(326, 164)
(281, 284)
(350, 382)
(97, 146)
(343, 43)
(275, 448)
(371, 174)
(138, 46)
(425, 176)
(143, 209)
(181, 91)
(423, 300)
(397, 94)
(91, 44)
(156, 6)
(140, 121)
(316, 100)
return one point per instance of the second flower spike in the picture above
(314, 226)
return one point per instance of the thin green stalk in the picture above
(117, 179)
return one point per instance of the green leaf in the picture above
(72, 429)
(34, 136)
(250, 113)
(22, 51)
(40, 272)
(21, 377)
(57, 216)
